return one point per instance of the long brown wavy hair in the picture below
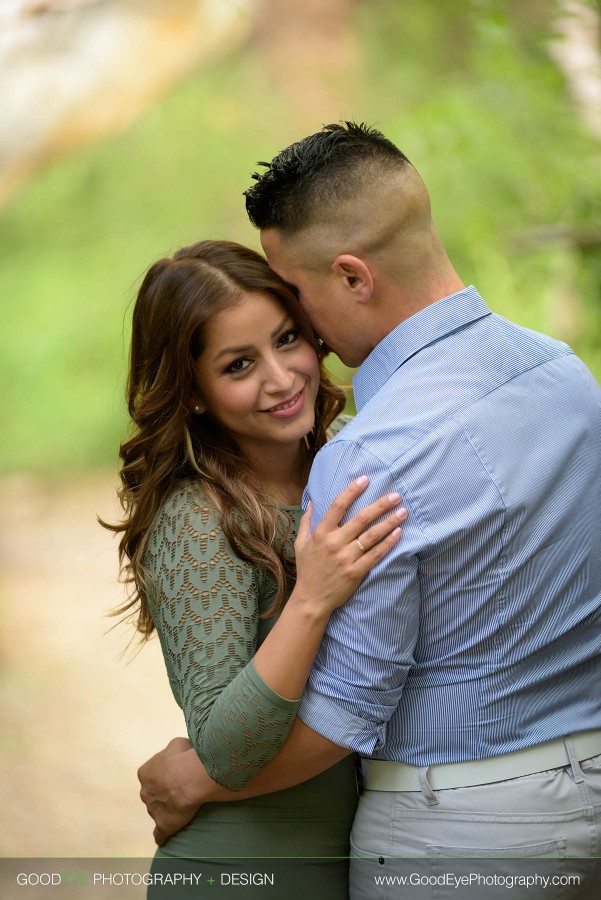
(178, 296)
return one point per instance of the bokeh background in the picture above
(131, 127)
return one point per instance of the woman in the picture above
(230, 403)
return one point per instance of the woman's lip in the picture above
(296, 404)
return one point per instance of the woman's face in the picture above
(257, 375)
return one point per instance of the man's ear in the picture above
(356, 274)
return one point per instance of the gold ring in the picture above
(361, 547)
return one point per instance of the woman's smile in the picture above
(257, 375)
(288, 408)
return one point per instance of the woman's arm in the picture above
(175, 784)
(205, 604)
(330, 566)
(239, 705)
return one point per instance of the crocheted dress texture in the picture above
(206, 603)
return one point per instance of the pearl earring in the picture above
(197, 409)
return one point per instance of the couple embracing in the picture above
(455, 665)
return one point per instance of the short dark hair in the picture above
(316, 170)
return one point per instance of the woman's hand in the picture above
(332, 562)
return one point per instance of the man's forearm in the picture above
(304, 755)
(174, 782)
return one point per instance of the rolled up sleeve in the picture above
(367, 651)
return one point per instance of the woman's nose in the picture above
(278, 376)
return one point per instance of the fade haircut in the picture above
(318, 171)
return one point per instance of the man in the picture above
(466, 669)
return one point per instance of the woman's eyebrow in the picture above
(246, 347)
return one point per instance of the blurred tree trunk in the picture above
(73, 71)
(310, 52)
(577, 51)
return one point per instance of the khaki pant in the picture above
(533, 837)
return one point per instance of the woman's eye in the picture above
(238, 365)
(289, 337)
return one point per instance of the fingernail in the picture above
(393, 497)
(401, 513)
(362, 479)
(396, 532)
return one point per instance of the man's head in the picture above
(345, 218)
(316, 173)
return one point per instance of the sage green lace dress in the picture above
(206, 604)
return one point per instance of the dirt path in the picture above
(76, 720)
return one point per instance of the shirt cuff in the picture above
(268, 693)
(338, 725)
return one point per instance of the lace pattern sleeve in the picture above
(205, 604)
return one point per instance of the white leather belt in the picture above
(385, 775)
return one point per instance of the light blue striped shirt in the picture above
(479, 633)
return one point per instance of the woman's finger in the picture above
(304, 526)
(364, 518)
(341, 503)
(367, 560)
(367, 539)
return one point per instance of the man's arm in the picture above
(175, 783)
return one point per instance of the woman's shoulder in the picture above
(188, 493)
(338, 424)
(185, 506)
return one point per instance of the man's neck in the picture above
(400, 306)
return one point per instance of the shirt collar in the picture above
(418, 331)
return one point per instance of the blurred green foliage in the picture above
(469, 92)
